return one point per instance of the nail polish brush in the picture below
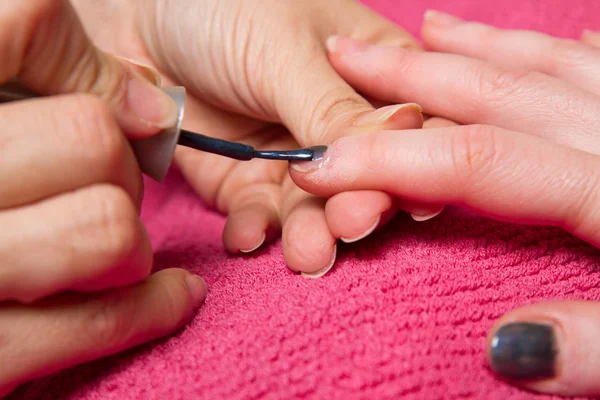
(155, 154)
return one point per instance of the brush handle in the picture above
(154, 154)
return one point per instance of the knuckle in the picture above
(109, 321)
(332, 108)
(565, 54)
(96, 130)
(118, 221)
(474, 153)
(498, 85)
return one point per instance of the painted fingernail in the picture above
(197, 288)
(364, 234)
(153, 106)
(424, 215)
(318, 161)
(524, 351)
(441, 19)
(260, 243)
(147, 71)
(386, 114)
(322, 271)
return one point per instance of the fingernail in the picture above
(345, 45)
(441, 19)
(153, 106)
(424, 215)
(197, 288)
(322, 271)
(524, 351)
(364, 234)
(319, 160)
(264, 236)
(383, 115)
(147, 71)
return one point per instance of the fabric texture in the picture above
(404, 314)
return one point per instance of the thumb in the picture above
(45, 46)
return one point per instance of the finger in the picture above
(308, 240)
(502, 174)
(81, 135)
(347, 215)
(249, 192)
(569, 60)
(308, 245)
(46, 47)
(61, 332)
(89, 239)
(591, 38)
(471, 91)
(549, 347)
(352, 216)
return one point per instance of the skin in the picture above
(75, 259)
(526, 150)
(245, 84)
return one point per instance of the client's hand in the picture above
(255, 69)
(74, 255)
(529, 153)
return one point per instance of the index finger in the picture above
(501, 174)
(44, 45)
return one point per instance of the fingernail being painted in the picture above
(320, 158)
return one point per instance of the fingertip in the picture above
(308, 245)
(249, 227)
(197, 289)
(352, 216)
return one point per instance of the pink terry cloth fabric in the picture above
(404, 314)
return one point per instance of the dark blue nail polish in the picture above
(524, 351)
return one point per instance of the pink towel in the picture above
(403, 314)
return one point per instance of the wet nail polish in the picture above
(319, 159)
(524, 351)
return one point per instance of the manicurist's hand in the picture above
(528, 151)
(257, 71)
(75, 259)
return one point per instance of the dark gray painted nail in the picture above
(524, 351)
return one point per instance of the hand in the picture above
(74, 256)
(529, 152)
(255, 69)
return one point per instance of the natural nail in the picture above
(424, 215)
(146, 70)
(441, 19)
(524, 351)
(197, 288)
(386, 114)
(153, 106)
(365, 233)
(264, 236)
(321, 272)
